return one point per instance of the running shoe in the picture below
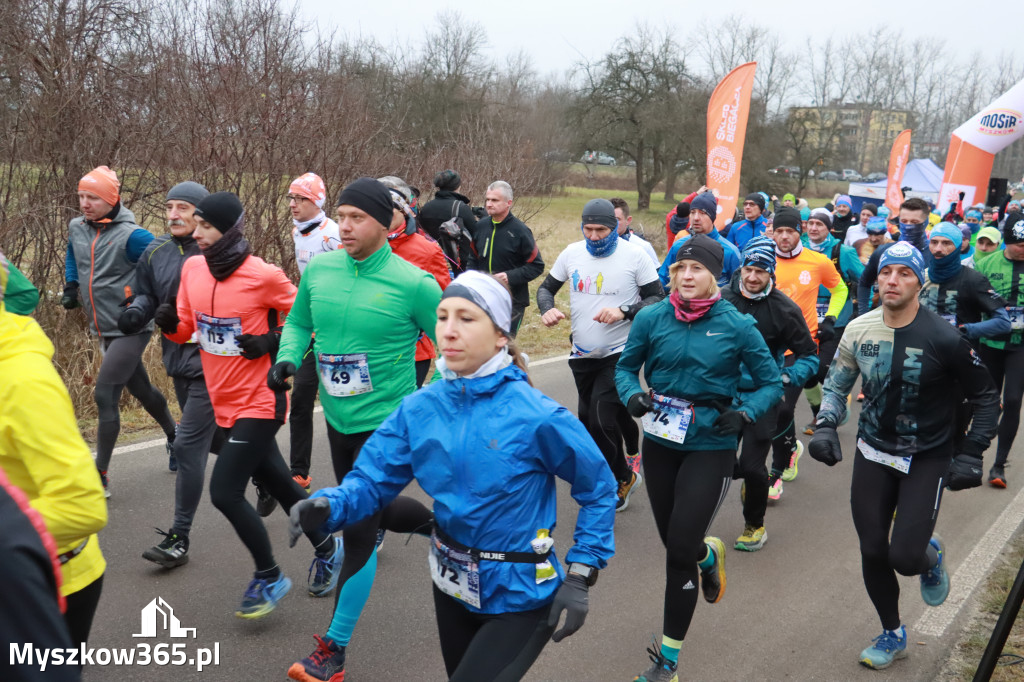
(106, 483)
(661, 670)
(265, 502)
(172, 461)
(262, 595)
(935, 581)
(775, 490)
(791, 471)
(380, 538)
(171, 552)
(325, 664)
(634, 462)
(887, 647)
(626, 489)
(712, 580)
(753, 538)
(996, 477)
(323, 573)
(305, 482)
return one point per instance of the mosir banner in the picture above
(727, 130)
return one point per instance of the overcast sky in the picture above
(557, 33)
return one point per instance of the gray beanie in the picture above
(189, 191)
(600, 212)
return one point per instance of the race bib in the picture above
(455, 573)
(949, 317)
(669, 419)
(345, 375)
(822, 310)
(898, 463)
(219, 335)
(1016, 314)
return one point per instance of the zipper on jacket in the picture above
(490, 253)
(92, 275)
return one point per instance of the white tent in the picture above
(923, 177)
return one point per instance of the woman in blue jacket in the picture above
(693, 346)
(486, 446)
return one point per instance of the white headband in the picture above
(486, 292)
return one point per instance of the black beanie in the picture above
(447, 180)
(370, 196)
(705, 251)
(757, 199)
(683, 209)
(222, 210)
(787, 216)
(1013, 228)
(870, 207)
(600, 212)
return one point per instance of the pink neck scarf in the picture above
(693, 309)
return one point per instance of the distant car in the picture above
(828, 175)
(874, 177)
(600, 158)
(788, 171)
(850, 175)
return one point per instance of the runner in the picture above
(611, 281)
(800, 274)
(909, 360)
(843, 217)
(782, 325)
(911, 221)
(817, 237)
(21, 298)
(366, 307)
(157, 277)
(857, 233)
(625, 222)
(691, 347)
(499, 590)
(878, 233)
(988, 242)
(1004, 356)
(103, 247)
(753, 224)
(453, 210)
(504, 246)
(411, 245)
(44, 456)
(703, 210)
(314, 234)
(235, 300)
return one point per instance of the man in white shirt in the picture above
(610, 280)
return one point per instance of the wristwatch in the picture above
(626, 310)
(588, 573)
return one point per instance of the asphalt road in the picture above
(795, 610)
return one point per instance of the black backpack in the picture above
(454, 236)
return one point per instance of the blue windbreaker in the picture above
(487, 450)
(743, 231)
(730, 263)
(699, 360)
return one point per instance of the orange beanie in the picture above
(310, 186)
(102, 182)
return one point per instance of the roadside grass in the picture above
(966, 654)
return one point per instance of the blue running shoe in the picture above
(323, 573)
(262, 595)
(935, 581)
(887, 647)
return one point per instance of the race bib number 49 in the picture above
(669, 419)
(219, 335)
(345, 375)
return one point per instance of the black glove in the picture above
(731, 422)
(573, 598)
(824, 446)
(166, 316)
(827, 329)
(127, 302)
(70, 297)
(640, 404)
(307, 515)
(132, 321)
(256, 346)
(961, 195)
(277, 377)
(964, 472)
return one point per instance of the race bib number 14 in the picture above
(669, 419)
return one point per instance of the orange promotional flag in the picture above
(727, 129)
(897, 166)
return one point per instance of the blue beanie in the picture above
(705, 202)
(903, 253)
(844, 200)
(950, 232)
(876, 226)
(760, 252)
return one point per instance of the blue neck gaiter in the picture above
(602, 247)
(914, 234)
(945, 268)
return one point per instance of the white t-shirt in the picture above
(636, 239)
(321, 239)
(597, 283)
(855, 234)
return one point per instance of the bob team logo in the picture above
(721, 164)
(1000, 122)
(1018, 230)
